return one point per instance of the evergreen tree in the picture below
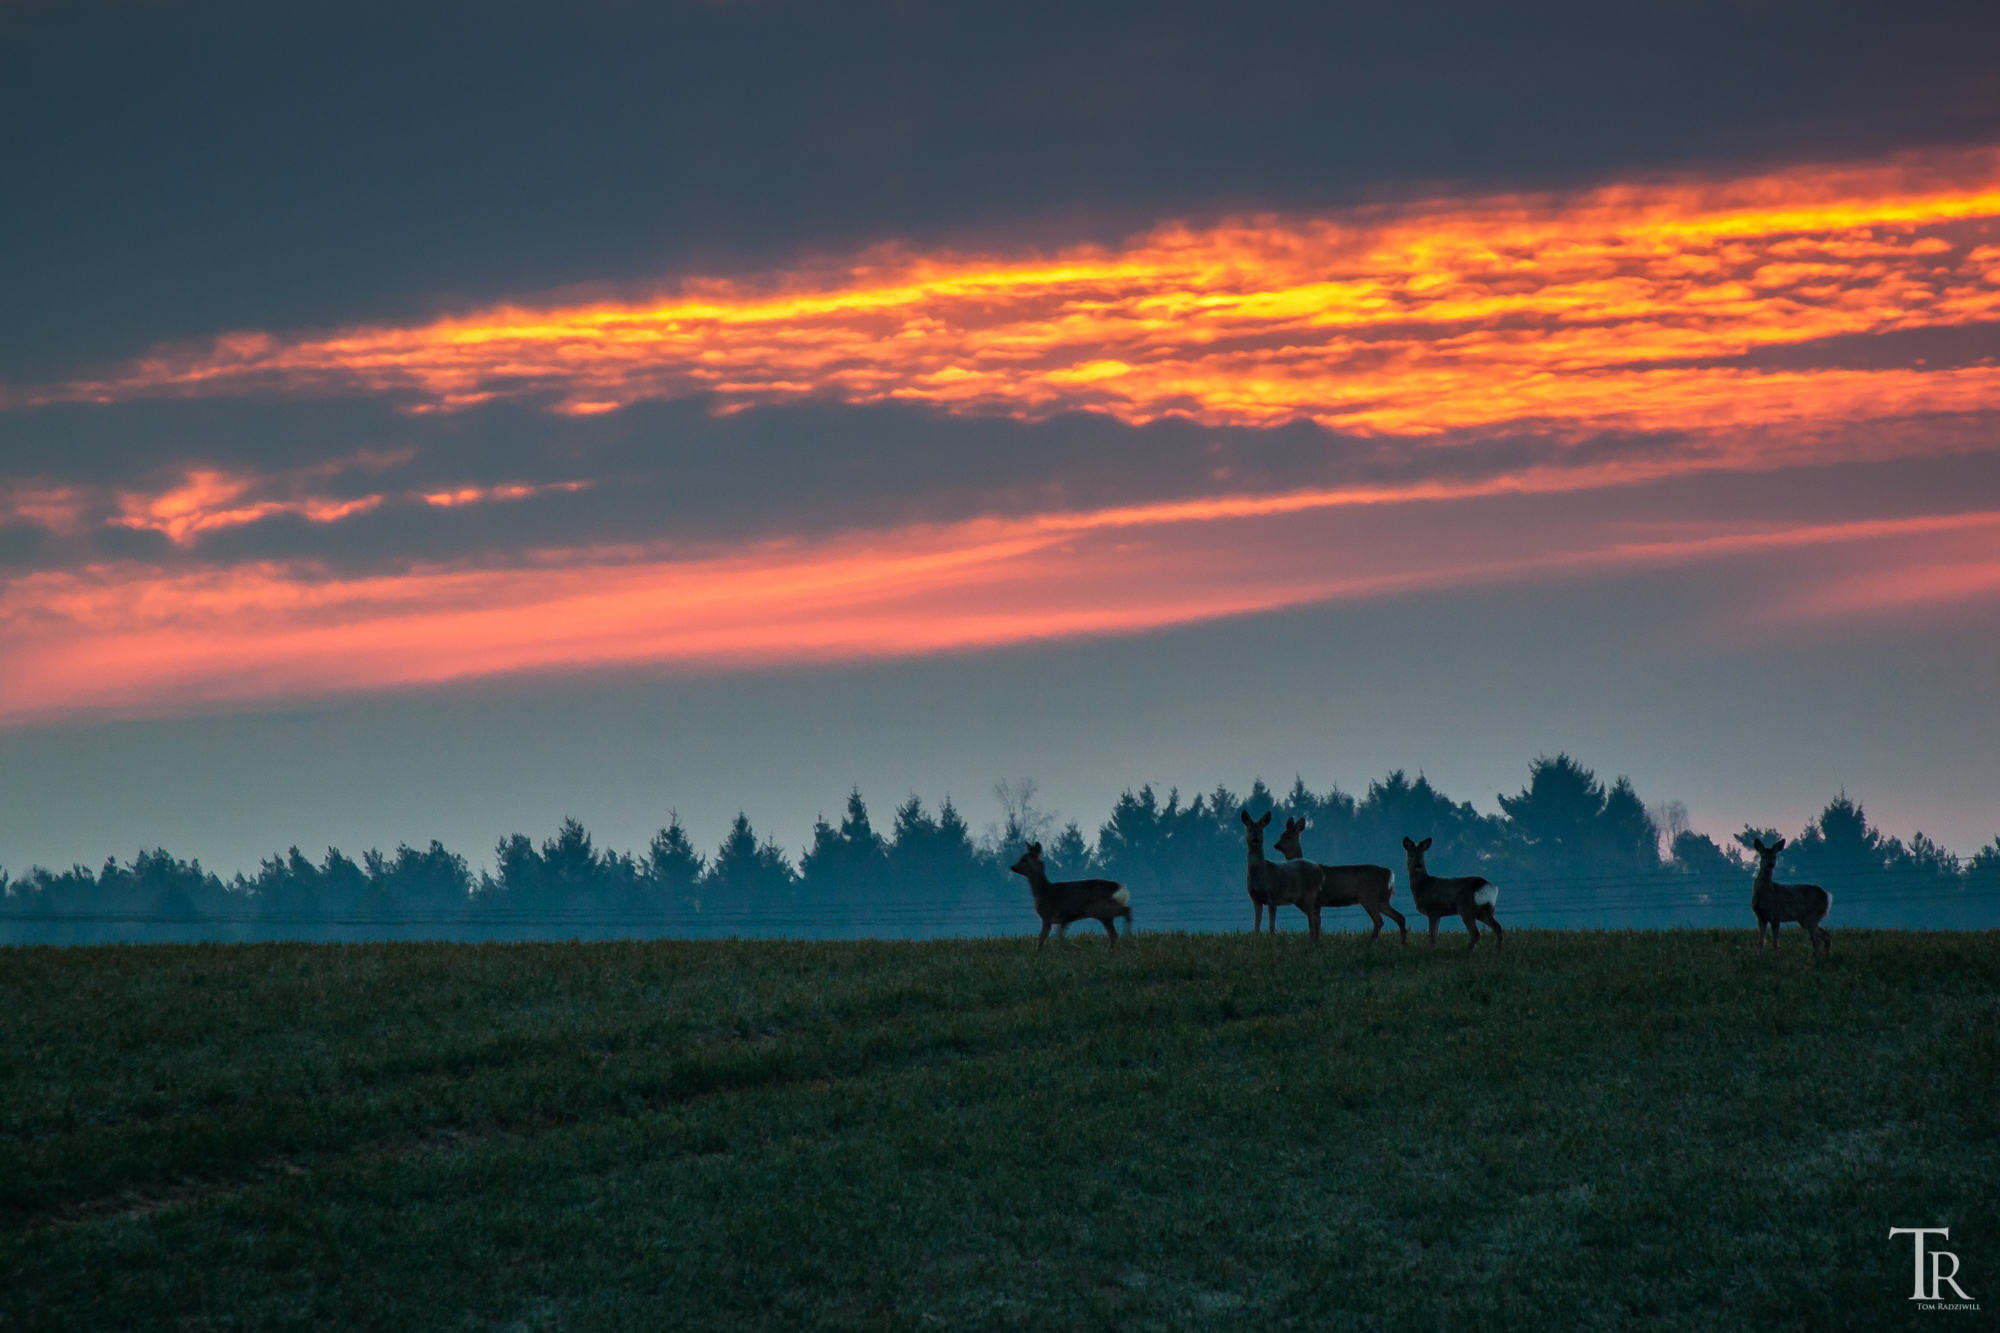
(1982, 872)
(569, 866)
(1926, 862)
(1628, 837)
(1576, 836)
(1069, 855)
(673, 867)
(1751, 835)
(1132, 845)
(748, 877)
(1330, 822)
(1696, 856)
(1839, 847)
(851, 861)
(1557, 813)
(937, 879)
(286, 891)
(1463, 841)
(430, 892)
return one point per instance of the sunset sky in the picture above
(435, 422)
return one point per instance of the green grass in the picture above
(1615, 1130)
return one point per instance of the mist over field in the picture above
(1570, 850)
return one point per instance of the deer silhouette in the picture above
(1776, 903)
(1363, 886)
(1276, 884)
(1469, 896)
(1060, 902)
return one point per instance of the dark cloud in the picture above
(178, 170)
(664, 471)
(681, 474)
(1946, 348)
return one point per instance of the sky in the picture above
(432, 421)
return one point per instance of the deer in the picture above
(1276, 884)
(1061, 902)
(1470, 896)
(1776, 903)
(1366, 887)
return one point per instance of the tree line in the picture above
(1571, 849)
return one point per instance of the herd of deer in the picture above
(1311, 887)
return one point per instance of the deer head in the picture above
(1031, 861)
(1767, 857)
(1254, 831)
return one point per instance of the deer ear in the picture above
(1035, 847)
(1265, 822)
(1408, 846)
(1424, 846)
(1246, 817)
(1781, 845)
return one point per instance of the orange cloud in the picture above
(466, 495)
(1584, 312)
(60, 509)
(131, 639)
(210, 500)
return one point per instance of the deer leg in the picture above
(1312, 919)
(1434, 930)
(1471, 928)
(1046, 923)
(1499, 935)
(1397, 917)
(1109, 929)
(1376, 917)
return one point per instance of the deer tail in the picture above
(1486, 895)
(1123, 897)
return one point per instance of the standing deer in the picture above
(1366, 887)
(1470, 896)
(1776, 903)
(1276, 884)
(1063, 901)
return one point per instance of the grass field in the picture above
(1618, 1130)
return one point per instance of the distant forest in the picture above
(1568, 851)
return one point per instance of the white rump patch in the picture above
(1123, 896)
(1487, 896)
